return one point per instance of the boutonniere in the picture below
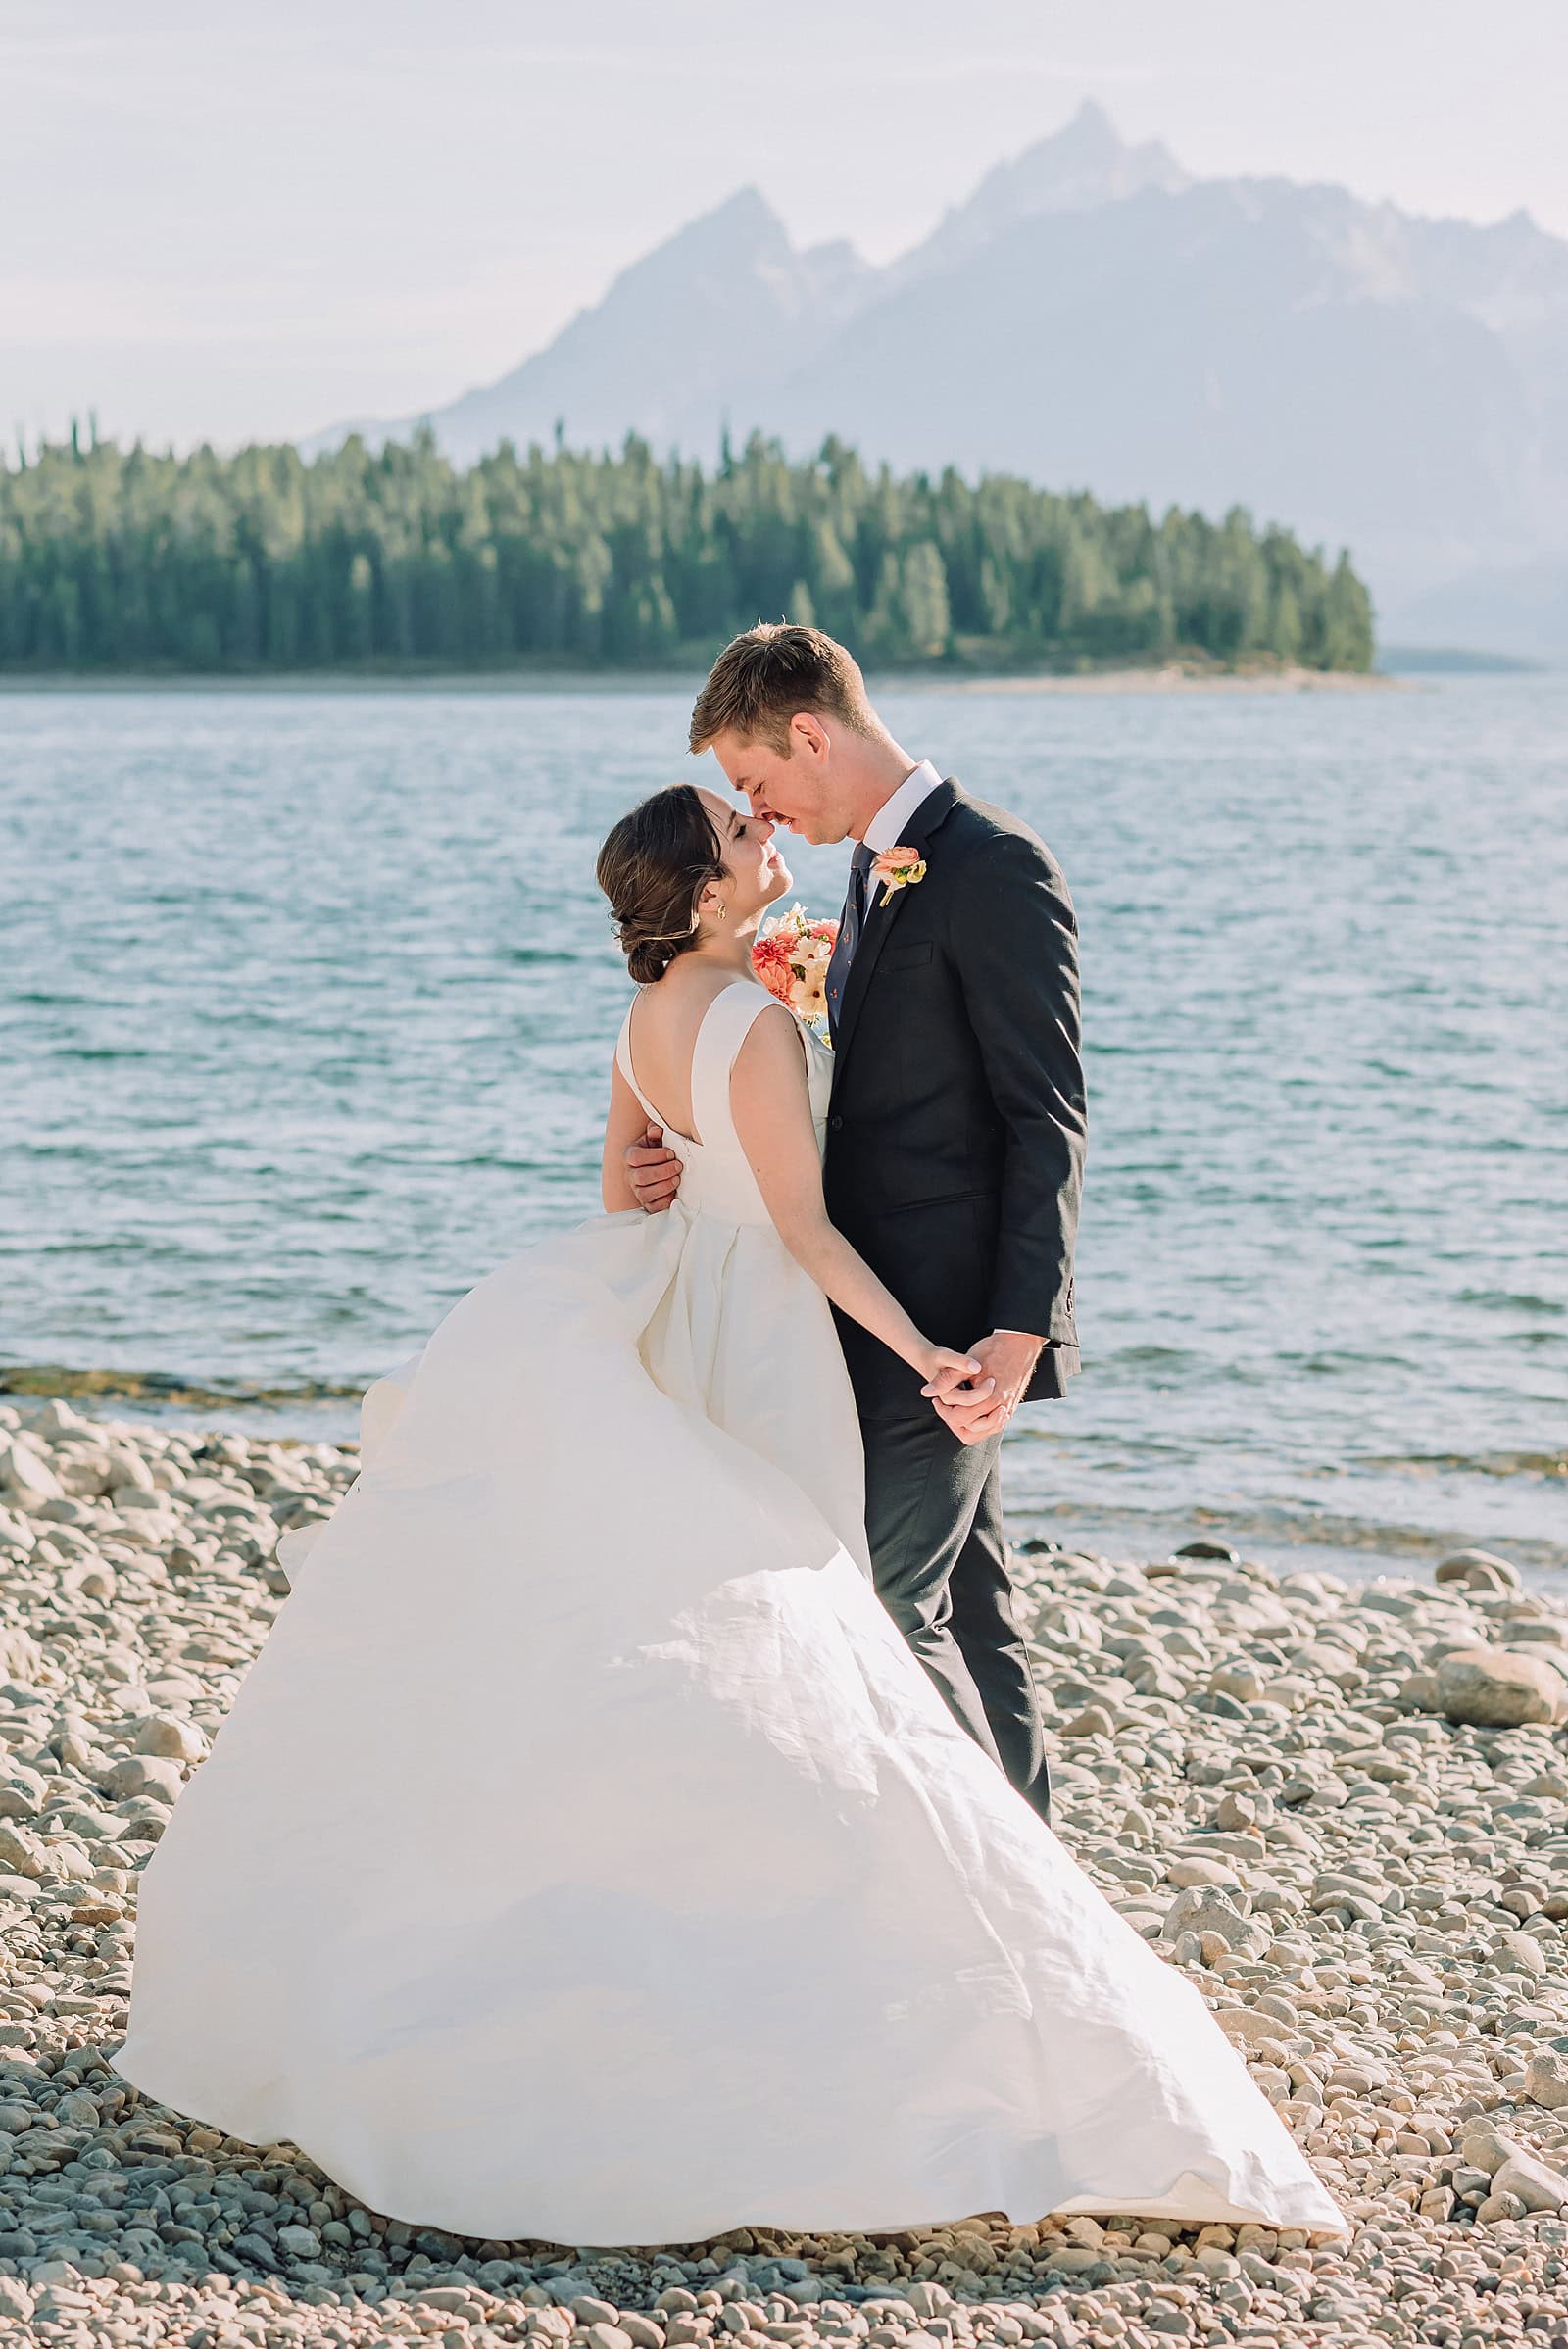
(897, 868)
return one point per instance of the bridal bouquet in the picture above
(791, 959)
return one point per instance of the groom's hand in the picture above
(652, 1171)
(982, 1410)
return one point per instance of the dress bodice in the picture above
(716, 1178)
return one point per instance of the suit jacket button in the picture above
(835, 1123)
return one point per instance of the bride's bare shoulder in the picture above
(774, 1044)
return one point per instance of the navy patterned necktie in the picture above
(851, 923)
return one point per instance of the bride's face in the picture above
(756, 872)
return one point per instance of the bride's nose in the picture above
(766, 828)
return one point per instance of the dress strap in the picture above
(623, 1063)
(727, 1024)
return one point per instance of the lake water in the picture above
(307, 1000)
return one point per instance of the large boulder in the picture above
(21, 1852)
(157, 1775)
(16, 1533)
(1479, 1570)
(1238, 1679)
(25, 1475)
(1546, 2080)
(1487, 1688)
(1204, 1909)
(22, 1791)
(21, 1656)
(1537, 2186)
(168, 1735)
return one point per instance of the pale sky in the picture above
(227, 224)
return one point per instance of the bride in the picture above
(586, 1856)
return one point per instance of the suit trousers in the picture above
(933, 1519)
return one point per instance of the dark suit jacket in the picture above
(958, 1122)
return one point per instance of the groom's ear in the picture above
(807, 734)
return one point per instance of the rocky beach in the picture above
(1340, 1807)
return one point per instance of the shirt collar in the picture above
(886, 828)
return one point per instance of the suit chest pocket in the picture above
(913, 956)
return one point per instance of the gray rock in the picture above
(1546, 2080)
(641, 2331)
(126, 1471)
(255, 2247)
(1536, 2186)
(18, 1850)
(1462, 1563)
(929, 2299)
(57, 1419)
(1241, 1680)
(167, 1734)
(1486, 2149)
(1093, 1721)
(1206, 1909)
(1486, 1689)
(589, 2309)
(146, 1774)
(1522, 1952)
(27, 1475)
(20, 1791)
(1190, 1870)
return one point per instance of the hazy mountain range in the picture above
(1094, 317)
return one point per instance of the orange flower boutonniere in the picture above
(897, 868)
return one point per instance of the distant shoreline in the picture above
(1171, 679)
(1178, 680)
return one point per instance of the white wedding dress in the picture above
(587, 1858)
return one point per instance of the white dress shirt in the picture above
(886, 828)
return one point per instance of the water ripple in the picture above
(307, 1004)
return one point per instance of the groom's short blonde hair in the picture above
(760, 680)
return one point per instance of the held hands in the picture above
(947, 1372)
(977, 1399)
(974, 1393)
(652, 1171)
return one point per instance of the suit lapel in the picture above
(928, 820)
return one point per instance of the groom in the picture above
(955, 1145)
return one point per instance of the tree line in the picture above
(128, 559)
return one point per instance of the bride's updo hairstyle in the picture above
(653, 867)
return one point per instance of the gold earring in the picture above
(724, 913)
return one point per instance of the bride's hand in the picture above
(948, 1375)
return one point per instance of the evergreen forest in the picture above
(390, 559)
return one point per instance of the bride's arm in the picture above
(772, 1106)
(625, 1123)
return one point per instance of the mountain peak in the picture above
(1084, 163)
(745, 223)
(1091, 127)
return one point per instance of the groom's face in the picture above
(796, 789)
